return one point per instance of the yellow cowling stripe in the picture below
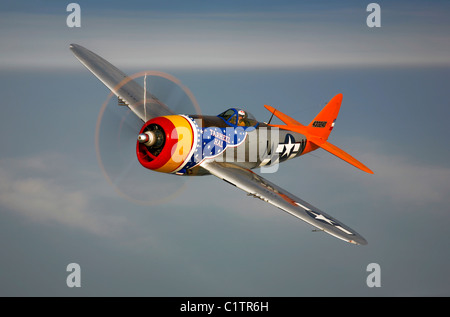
(180, 151)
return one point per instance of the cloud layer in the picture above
(40, 190)
(258, 39)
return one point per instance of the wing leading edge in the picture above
(121, 85)
(259, 187)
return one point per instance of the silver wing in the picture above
(121, 85)
(261, 188)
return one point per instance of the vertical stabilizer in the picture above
(323, 123)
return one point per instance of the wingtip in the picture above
(359, 241)
(75, 47)
(363, 242)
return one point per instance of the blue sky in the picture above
(211, 239)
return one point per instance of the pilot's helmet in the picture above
(242, 113)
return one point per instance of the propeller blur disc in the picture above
(116, 135)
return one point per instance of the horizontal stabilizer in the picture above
(333, 149)
(283, 117)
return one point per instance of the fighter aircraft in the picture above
(228, 145)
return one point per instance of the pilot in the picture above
(242, 120)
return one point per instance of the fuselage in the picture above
(259, 145)
(191, 139)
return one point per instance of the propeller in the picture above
(117, 132)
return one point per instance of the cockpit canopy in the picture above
(238, 118)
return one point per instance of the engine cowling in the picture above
(165, 144)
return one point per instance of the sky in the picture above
(228, 33)
(206, 238)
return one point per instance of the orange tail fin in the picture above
(323, 123)
(319, 129)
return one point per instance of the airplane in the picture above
(229, 145)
